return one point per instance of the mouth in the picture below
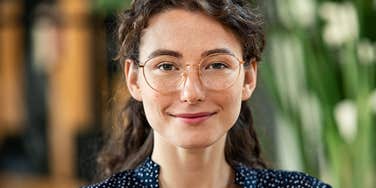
(193, 118)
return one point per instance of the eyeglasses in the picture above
(167, 74)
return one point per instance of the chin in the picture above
(196, 142)
(195, 145)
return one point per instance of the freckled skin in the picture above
(190, 33)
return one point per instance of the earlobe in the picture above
(131, 77)
(250, 79)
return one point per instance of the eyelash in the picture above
(223, 65)
(160, 65)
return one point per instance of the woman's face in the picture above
(193, 116)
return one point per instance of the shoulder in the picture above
(122, 179)
(289, 178)
(277, 178)
(144, 175)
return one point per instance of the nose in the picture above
(192, 90)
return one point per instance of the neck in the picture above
(202, 167)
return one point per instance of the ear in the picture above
(250, 78)
(131, 77)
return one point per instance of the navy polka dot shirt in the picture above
(146, 176)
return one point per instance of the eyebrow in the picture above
(160, 52)
(216, 51)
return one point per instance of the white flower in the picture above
(346, 117)
(342, 22)
(301, 12)
(372, 101)
(366, 52)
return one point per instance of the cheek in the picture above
(154, 106)
(233, 109)
(231, 103)
(148, 97)
(235, 94)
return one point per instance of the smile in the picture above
(194, 118)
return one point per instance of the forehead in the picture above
(187, 32)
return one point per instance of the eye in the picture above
(217, 65)
(167, 66)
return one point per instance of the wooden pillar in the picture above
(70, 86)
(12, 72)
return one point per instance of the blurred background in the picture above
(314, 108)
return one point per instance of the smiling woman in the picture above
(190, 67)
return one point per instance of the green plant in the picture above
(320, 67)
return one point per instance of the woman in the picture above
(190, 67)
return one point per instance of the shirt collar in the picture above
(148, 173)
(245, 176)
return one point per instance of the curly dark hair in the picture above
(134, 140)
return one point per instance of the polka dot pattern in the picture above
(146, 176)
(267, 178)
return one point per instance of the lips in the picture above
(194, 118)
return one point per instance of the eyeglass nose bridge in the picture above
(187, 69)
